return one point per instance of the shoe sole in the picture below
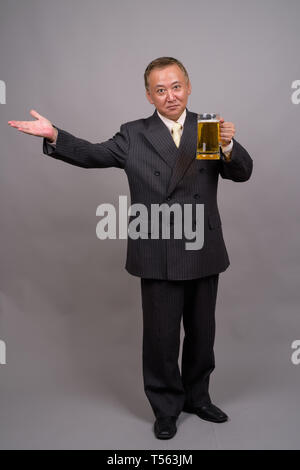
(164, 437)
(223, 420)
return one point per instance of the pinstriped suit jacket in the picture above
(158, 172)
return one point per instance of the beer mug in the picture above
(208, 146)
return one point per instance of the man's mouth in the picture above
(173, 106)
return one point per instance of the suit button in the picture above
(168, 198)
(157, 173)
(196, 196)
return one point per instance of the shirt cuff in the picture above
(227, 149)
(52, 144)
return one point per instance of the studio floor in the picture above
(70, 419)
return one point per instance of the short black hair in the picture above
(162, 62)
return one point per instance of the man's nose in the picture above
(170, 95)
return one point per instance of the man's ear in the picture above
(189, 88)
(149, 97)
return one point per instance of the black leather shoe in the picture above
(208, 412)
(165, 428)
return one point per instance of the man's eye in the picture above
(177, 86)
(160, 89)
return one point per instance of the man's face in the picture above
(168, 91)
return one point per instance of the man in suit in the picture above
(158, 155)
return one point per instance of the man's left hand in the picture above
(227, 131)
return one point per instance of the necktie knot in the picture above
(176, 133)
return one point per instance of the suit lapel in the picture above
(187, 150)
(178, 159)
(159, 136)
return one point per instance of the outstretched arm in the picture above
(76, 151)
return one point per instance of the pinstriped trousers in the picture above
(164, 304)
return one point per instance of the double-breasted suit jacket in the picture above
(160, 173)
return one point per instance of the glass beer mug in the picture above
(208, 146)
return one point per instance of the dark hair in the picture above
(162, 62)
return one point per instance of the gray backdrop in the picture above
(70, 314)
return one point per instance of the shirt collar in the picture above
(169, 123)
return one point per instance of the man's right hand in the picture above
(42, 127)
